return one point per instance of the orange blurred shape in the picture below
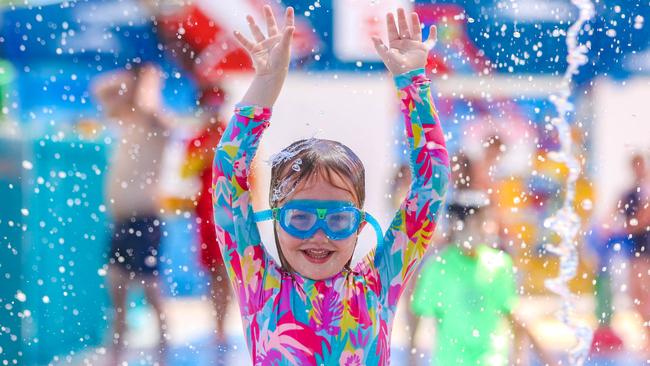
(88, 129)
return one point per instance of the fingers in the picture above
(404, 31)
(272, 29)
(393, 34)
(415, 27)
(271, 25)
(289, 28)
(289, 17)
(287, 36)
(381, 48)
(404, 28)
(255, 29)
(243, 41)
(433, 37)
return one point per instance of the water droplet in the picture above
(20, 296)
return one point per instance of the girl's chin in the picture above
(318, 271)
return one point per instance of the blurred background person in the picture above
(487, 179)
(605, 246)
(634, 205)
(131, 100)
(470, 287)
(198, 163)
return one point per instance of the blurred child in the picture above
(470, 287)
(200, 154)
(635, 207)
(131, 99)
(314, 307)
(601, 246)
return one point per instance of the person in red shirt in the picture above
(200, 153)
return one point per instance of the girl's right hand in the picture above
(270, 54)
(405, 51)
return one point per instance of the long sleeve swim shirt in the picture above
(346, 319)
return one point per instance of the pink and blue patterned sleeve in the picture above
(412, 228)
(237, 233)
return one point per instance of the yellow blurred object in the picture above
(170, 203)
(511, 195)
(192, 167)
(539, 268)
(584, 200)
(522, 232)
(550, 168)
(522, 228)
(88, 129)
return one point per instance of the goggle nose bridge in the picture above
(321, 212)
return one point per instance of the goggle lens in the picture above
(341, 222)
(299, 219)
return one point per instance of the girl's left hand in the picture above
(270, 53)
(405, 51)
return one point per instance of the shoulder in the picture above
(438, 264)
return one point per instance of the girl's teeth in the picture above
(318, 253)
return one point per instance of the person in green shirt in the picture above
(470, 289)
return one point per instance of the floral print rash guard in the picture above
(347, 319)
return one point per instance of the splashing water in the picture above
(286, 186)
(296, 165)
(565, 222)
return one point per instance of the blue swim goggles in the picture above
(303, 218)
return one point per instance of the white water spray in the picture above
(286, 187)
(565, 222)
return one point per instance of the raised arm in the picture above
(237, 233)
(411, 230)
(148, 98)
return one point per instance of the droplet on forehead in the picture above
(296, 165)
(282, 191)
(285, 188)
(291, 151)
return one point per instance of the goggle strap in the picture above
(265, 215)
(375, 225)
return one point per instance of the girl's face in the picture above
(318, 257)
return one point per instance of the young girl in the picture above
(312, 308)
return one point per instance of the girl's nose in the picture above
(320, 235)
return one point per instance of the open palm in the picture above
(405, 51)
(271, 53)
